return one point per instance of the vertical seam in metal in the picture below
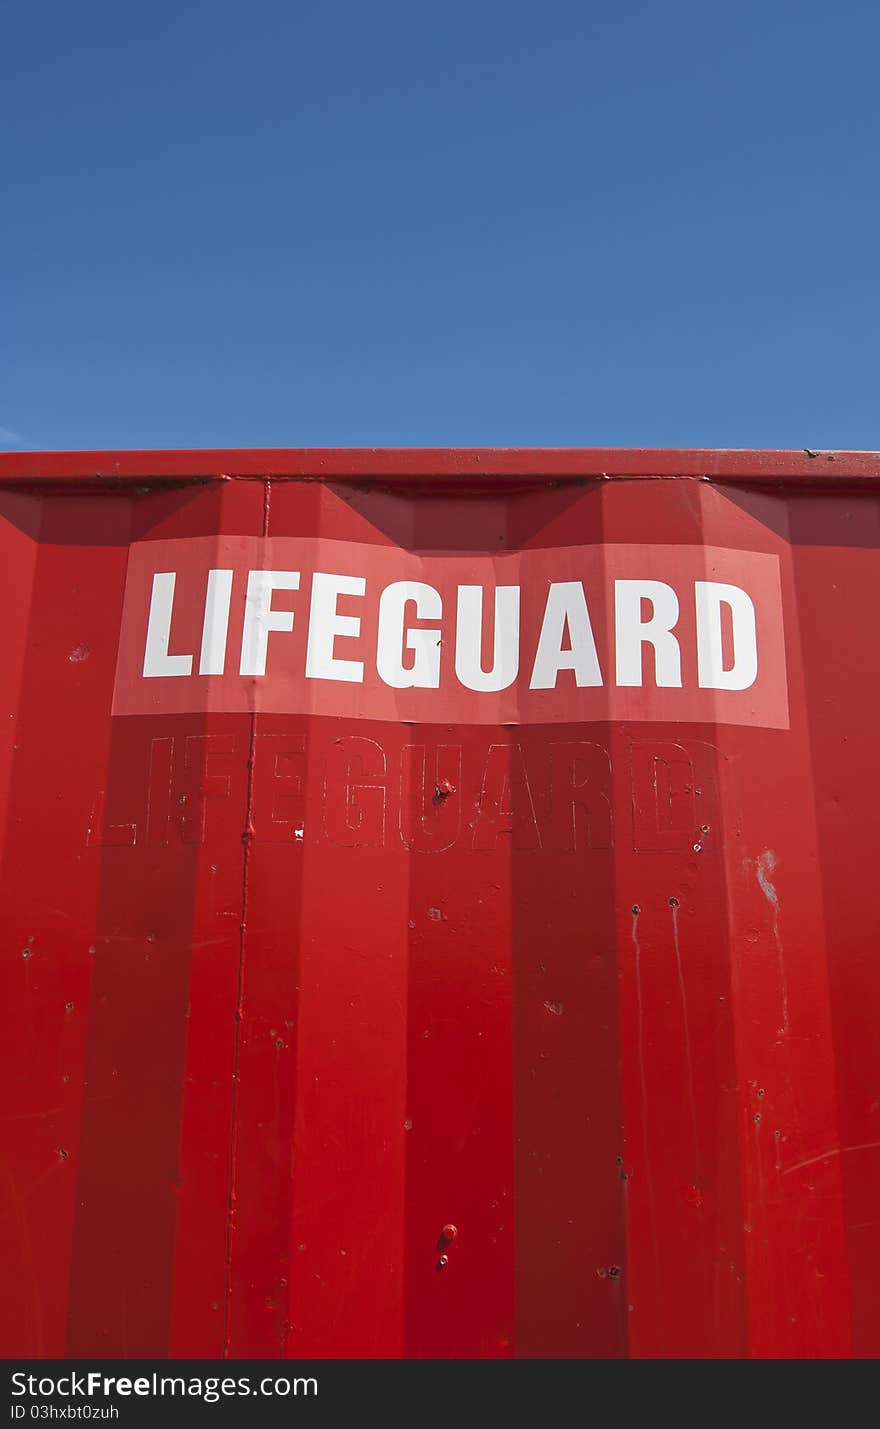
(247, 840)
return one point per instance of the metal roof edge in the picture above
(414, 464)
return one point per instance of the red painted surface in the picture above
(357, 1030)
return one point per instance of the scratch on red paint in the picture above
(826, 1155)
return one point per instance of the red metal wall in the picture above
(250, 1073)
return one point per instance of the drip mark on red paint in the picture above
(644, 1093)
(679, 967)
(765, 865)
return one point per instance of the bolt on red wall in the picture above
(439, 907)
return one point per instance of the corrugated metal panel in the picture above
(304, 966)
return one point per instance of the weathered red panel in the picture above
(304, 965)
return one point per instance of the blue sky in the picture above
(279, 224)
